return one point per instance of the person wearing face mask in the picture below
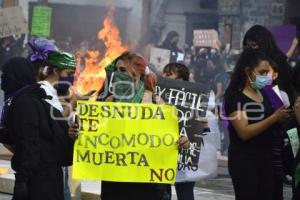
(18, 76)
(131, 81)
(251, 124)
(57, 77)
(41, 143)
(41, 48)
(259, 37)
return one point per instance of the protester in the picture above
(280, 152)
(56, 78)
(250, 153)
(259, 37)
(41, 144)
(177, 71)
(41, 48)
(219, 79)
(17, 76)
(170, 43)
(131, 68)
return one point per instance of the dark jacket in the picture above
(39, 140)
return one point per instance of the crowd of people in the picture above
(251, 127)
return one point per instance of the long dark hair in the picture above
(264, 39)
(248, 60)
(169, 37)
(181, 70)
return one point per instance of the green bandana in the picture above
(125, 89)
(62, 60)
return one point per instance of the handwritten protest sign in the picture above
(12, 22)
(206, 38)
(159, 58)
(41, 21)
(191, 100)
(126, 142)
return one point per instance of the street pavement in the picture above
(5, 197)
(219, 188)
(215, 189)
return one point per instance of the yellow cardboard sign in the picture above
(126, 142)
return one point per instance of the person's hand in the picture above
(75, 96)
(281, 114)
(73, 131)
(20, 191)
(183, 143)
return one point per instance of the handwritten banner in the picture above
(191, 100)
(205, 38)
(41, 21)
(12, 22)
(126, 142)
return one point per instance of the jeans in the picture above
(185, 190)
(67, 194)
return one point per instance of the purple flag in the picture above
(284, 36)
(273, 97)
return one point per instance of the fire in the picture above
(93, 75)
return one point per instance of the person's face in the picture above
(121, 66)
(66, 73)
(262, 68)
(170, 75)
(252, 44)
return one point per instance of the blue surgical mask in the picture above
(261, 81)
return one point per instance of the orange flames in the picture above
(93, 76)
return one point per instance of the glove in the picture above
(20, 191)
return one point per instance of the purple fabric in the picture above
(284, 36)
(41, 48)
(273, 98)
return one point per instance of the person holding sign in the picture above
(177, 71)
(133, 82)
(251, 124)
